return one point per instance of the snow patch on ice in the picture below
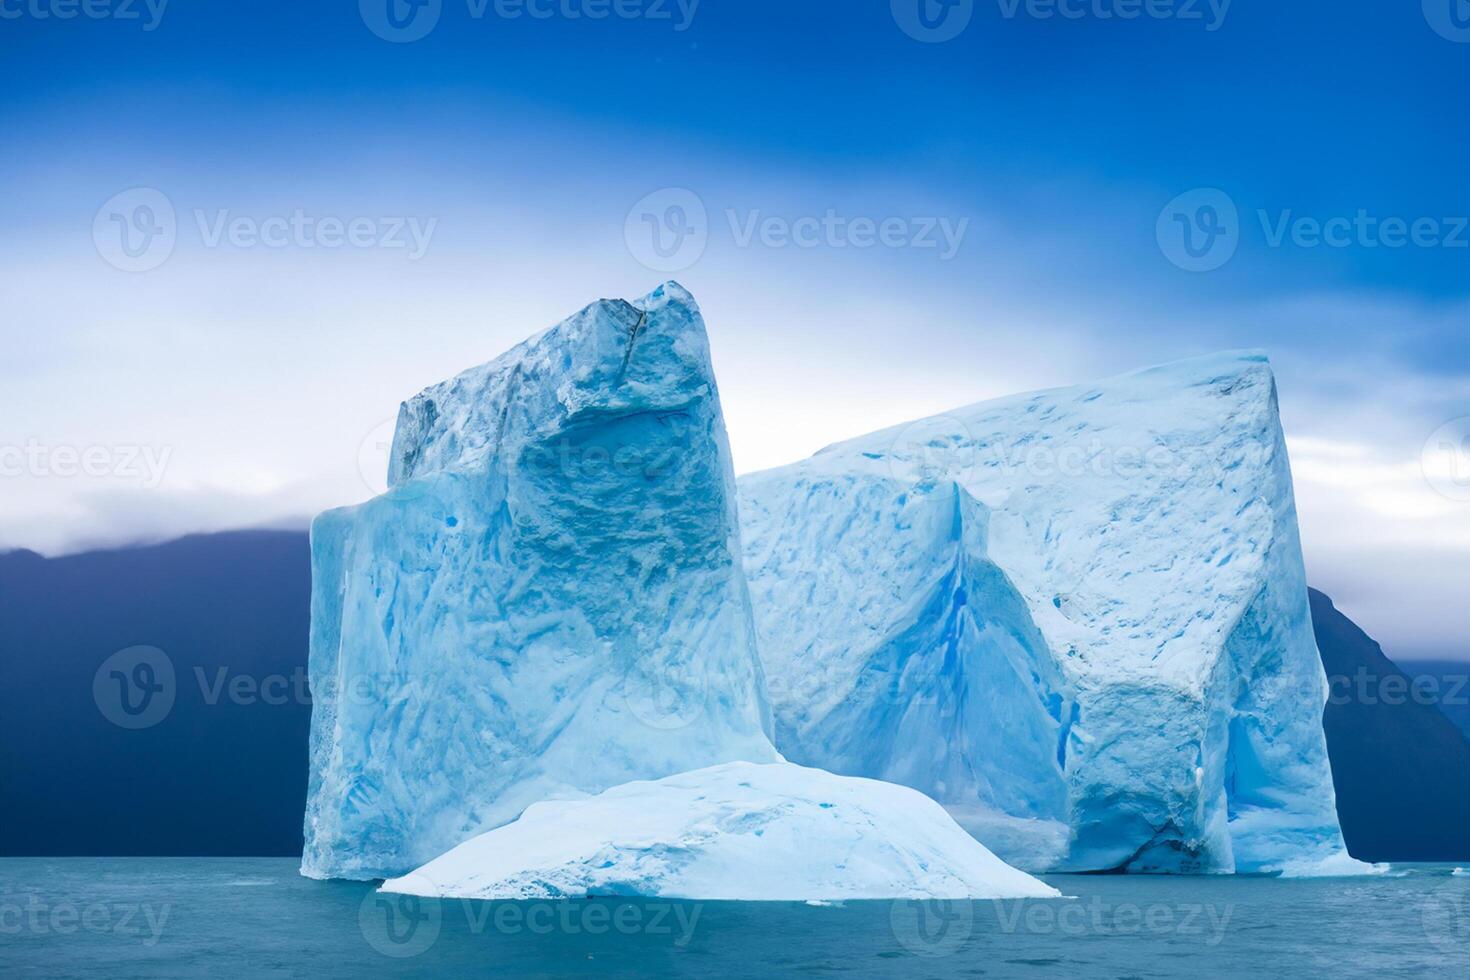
(739, 832)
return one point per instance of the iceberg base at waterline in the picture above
(739, 832)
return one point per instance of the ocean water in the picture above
(148, 917)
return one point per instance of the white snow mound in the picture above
(739, 832)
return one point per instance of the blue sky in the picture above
(521, 148)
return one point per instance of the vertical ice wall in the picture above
(547, 602)
(1076, 618)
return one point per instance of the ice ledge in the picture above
(733, 832)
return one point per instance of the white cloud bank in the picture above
(265, 378)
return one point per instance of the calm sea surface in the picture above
(150, 917)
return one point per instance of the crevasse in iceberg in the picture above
(547, 602)
(1077, 618)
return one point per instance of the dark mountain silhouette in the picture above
(1453, 682)
(102, 754)
(1401, 767)
(223, 772)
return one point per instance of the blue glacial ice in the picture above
(737, 832)
(547, 602)
(1078, 619)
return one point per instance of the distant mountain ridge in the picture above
(218, 770)
(1454, 684)
(1400, 766)
(221, 770)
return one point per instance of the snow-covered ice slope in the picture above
(548, 601)
(1077, 618)
(731, 832)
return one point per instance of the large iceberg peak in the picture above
(548, 601)
(1119, 674)
(581, 366)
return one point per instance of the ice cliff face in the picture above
(1077, 618)
(548, 601)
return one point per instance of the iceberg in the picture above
(1078, 619)
(738, 832)
(547, 602)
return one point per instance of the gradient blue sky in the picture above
(264, 371)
